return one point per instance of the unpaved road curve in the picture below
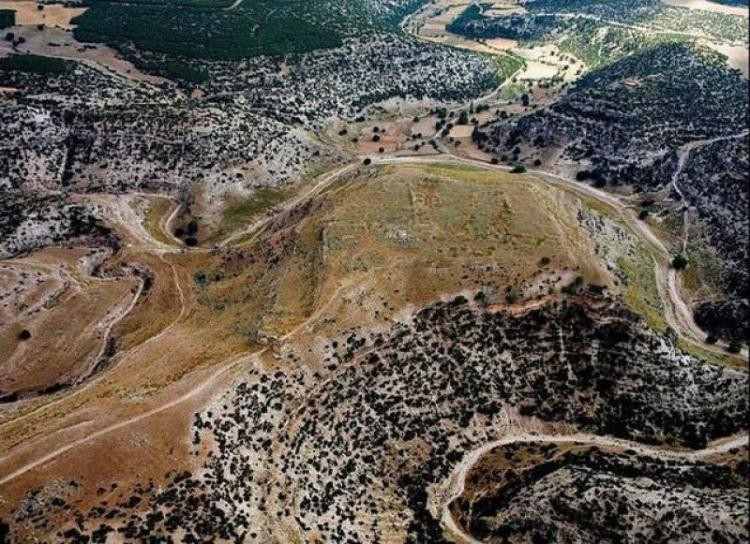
(159, 250)
(113, 321)
(83, 386)
(455, 483)
(684, 155)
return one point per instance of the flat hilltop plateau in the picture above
(373, 271)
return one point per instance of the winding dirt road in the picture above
(456, 481)
(316, 189)
(683, 156)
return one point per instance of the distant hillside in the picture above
(234, 30)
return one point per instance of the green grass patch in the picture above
(242, 213)
(507, 64)
(512, 91)
(711, 357)
(642, 293)
(157, 209)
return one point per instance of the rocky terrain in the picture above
(715, 182)
(548, 20)
(570, 492)
(85, 130)
(71, 127)
(628, 120)
(30, 221)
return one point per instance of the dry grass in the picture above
(394, 238)
(27, 13)
(67, 333)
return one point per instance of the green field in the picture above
(507, 64)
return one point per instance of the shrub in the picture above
(7, 18)
(679, 262)
(735, 346)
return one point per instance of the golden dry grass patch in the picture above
(28, 13)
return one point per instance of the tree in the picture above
(24, 334)
(518, 169)
(735, 346)
(574, 287)
(679, 262)
(367, 161)
(481, 299)
(643, 215)
(511, 297)
(583, 175)
(463, 119)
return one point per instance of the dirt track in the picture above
(457, 479)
